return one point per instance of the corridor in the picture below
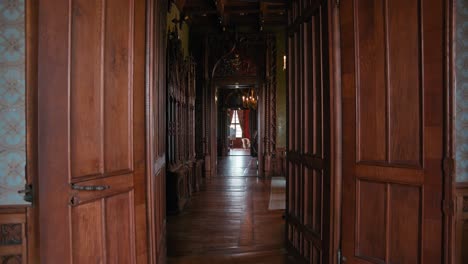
(229, 220)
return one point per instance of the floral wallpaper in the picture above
(12, 101)
(461, 71)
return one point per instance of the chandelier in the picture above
(250, 100)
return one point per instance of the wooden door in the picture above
(156, 129)
(392, 77)
(92, 131)
(308, 190)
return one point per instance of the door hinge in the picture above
(28, 193)
(340, 258)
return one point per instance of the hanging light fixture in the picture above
(250, 100)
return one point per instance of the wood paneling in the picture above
(118, 85)
(392, 60)
(371, 220)
(101, 86)
(388, 81)
(404, 211)
(155, 130)
(87, 219)
(181, 125)
(87, 88)
(308, 150)
(13, 237)
(378, 221)
(371, 80)
(120, 235)
(404, 81)
(461, 226)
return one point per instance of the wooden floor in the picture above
(228, 221)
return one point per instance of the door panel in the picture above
(86, 93)
(91, 103)
(101, 87)
(308, 208)
(392, 58)
(156, 130)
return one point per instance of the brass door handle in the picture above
(90, 187)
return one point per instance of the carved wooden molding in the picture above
(181, 102)
(10, 234)
(270, 94)
(11, 259)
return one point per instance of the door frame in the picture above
(154, 165)
(32, 212)
(449, 188)
(336, 130)
(29, 214)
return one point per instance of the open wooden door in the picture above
(156, 129)
(309, 178)
(92, 194)
(392, 77)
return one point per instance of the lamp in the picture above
(250, 100)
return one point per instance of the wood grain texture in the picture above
(402, 152)
(371, 80)
(308, 148)
(405, 113)
(87, 89)
(120, 235)
(92, 131)
(118, 85)
(228, 221)
(155, 132)
(32, 213)
(87, 219)
(371, 220)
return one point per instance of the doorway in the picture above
(241, 135)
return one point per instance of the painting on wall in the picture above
(12, 101)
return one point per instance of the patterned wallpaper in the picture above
(12, 101)
(461, 71)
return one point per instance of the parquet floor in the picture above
(228, 221)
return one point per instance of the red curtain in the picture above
(245, 124)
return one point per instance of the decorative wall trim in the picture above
(11, 259)
(13, 240)
(10, 234)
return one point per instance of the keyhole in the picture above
(74, 201)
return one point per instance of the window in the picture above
(235, 128)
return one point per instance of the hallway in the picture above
(229, 220)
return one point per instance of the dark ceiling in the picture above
(232, 14)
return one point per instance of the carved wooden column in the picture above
(270, 106)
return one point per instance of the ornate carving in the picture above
(10, 234)
(181, 119)
(243, 53)
(11, 259)
(236, 65)
(270, 97)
